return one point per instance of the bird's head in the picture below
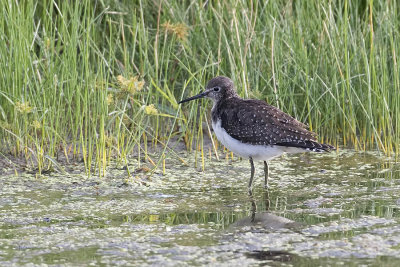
(216, 89)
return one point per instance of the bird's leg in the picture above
(253, 206)
(251, 177)
(266, 171)
(267, 201)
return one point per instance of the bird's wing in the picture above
(258, 123)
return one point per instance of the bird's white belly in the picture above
(257, 152)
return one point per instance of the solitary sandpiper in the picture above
(254, 129)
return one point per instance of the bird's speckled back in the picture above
(258, 123)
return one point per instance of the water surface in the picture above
(321, 209)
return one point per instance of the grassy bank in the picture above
(101, 79)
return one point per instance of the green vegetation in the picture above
(101, 79)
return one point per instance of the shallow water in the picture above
(321, 209)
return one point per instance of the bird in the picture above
(254, 129)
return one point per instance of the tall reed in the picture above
(101, 79)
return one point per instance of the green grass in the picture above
(331, 64)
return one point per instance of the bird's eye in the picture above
(216, 89)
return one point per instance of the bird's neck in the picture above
(217, 106)
(214, 108)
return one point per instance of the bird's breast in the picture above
(257, 152)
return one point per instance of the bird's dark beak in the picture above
(201, 95)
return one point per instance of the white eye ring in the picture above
(216, 89)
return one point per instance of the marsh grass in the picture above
(97, 80)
